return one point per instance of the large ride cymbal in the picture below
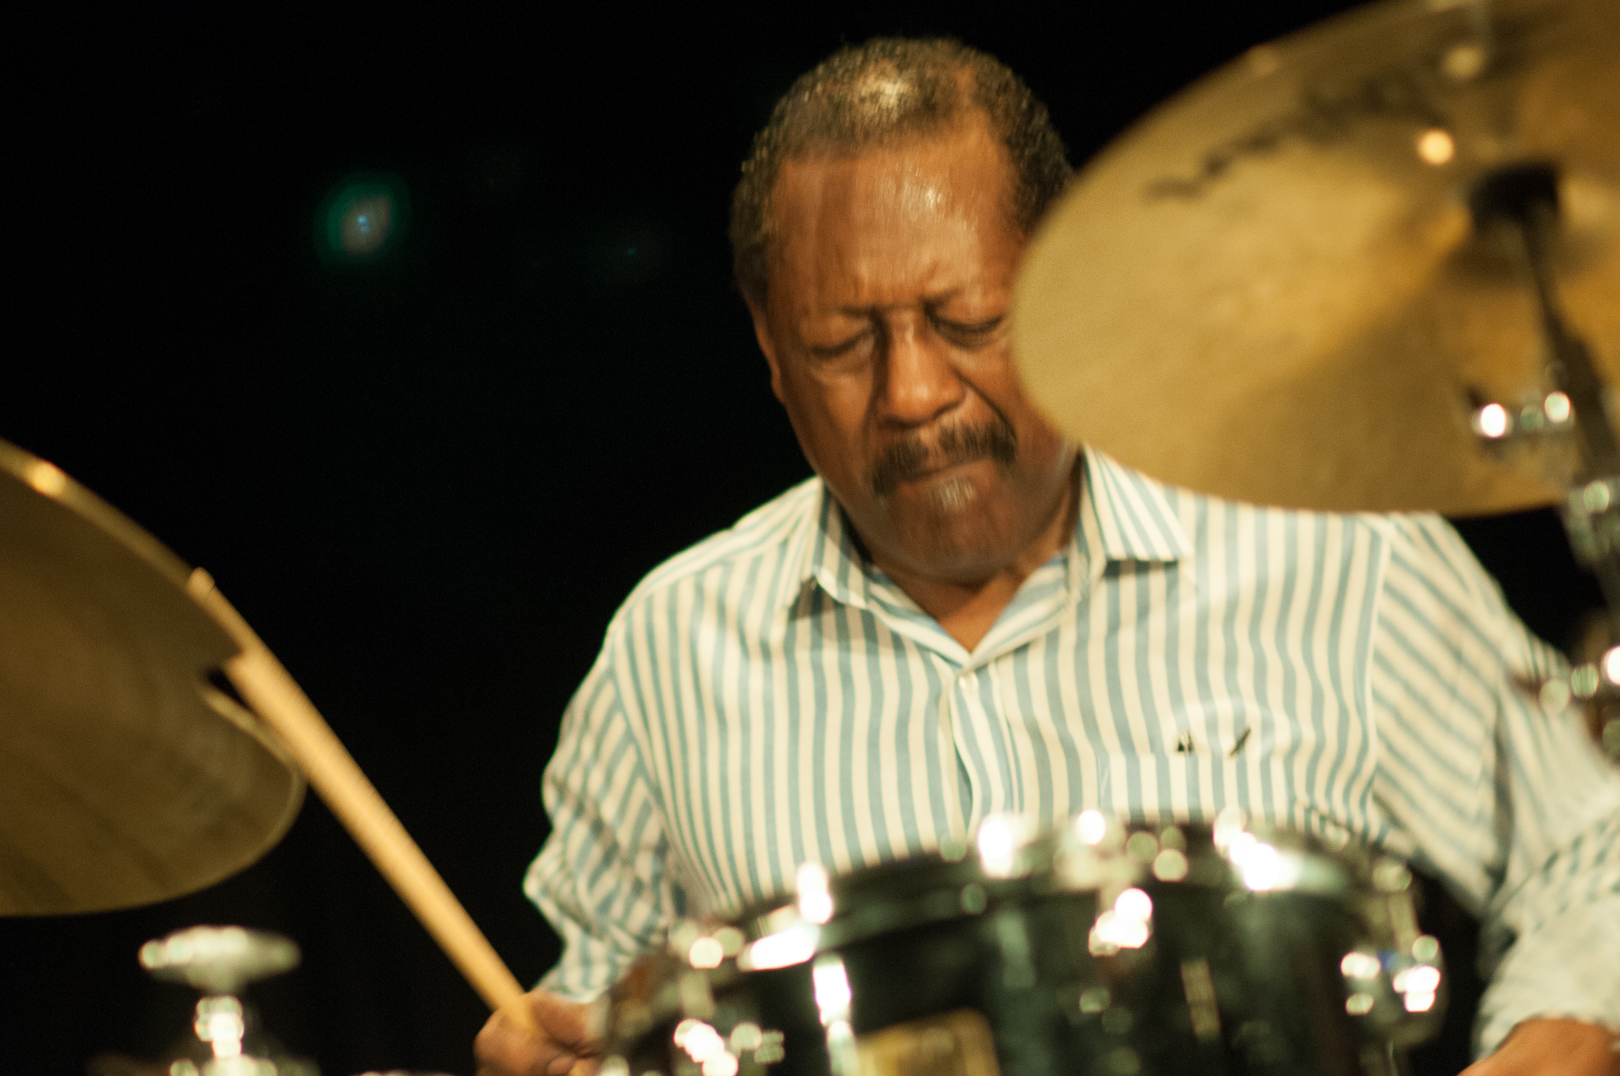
(1272, 289)
(125, 778)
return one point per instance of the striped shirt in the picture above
(769, 697)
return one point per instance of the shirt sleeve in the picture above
(1515, 809)
(600, 878)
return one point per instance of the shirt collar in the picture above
(1133, 514)
(833, 560)
(822, 550)
(1130, 516)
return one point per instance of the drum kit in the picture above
(1107, 948)
(1374, 266)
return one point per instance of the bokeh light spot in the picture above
(361, 219)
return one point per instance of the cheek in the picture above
(834, 405)
(1044, 442)
(1038, 440)
(993, 375)
(996, 380)
(829, 428)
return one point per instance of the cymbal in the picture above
(125, 777)
(1271, 288)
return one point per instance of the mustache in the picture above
(914, 458)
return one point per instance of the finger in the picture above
(575, 1027)
(507, 1049)
(596, 1020)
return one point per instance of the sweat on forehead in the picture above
(870, 98)
(879, 92)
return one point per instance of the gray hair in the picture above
(885, 90)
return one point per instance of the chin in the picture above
(960, 543)
(963, 565)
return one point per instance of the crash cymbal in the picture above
(1272, 288)
(125, 778)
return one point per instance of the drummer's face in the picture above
(886, 331)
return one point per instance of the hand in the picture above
(1552, 1048)
(568, 1041)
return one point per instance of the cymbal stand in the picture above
(1525, 199)
(221, 962)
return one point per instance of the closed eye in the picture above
(968, 333)
(841, 348)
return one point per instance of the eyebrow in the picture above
(929, 301)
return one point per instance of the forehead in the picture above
(892, 214)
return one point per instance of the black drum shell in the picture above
(1229, 981)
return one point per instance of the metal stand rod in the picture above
(1571, 360)
(1525, 199)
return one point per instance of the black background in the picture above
(427, 481)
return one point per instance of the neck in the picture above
(968, 610)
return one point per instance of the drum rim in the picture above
(1327, 867)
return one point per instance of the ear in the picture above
(762, 333)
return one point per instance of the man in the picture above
(963, 613)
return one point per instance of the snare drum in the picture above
(1104, 949)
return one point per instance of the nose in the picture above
(917, 383)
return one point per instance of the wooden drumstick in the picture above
(282, 705)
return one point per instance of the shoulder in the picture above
(1420, 542)
(1294, 539)
(761, 543)
(1418, 559)
(767, 536)
(1428, 556)
(1435, 587)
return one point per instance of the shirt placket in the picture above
(957, 781)
(988, 701)
(976, 741)
(973, 733)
